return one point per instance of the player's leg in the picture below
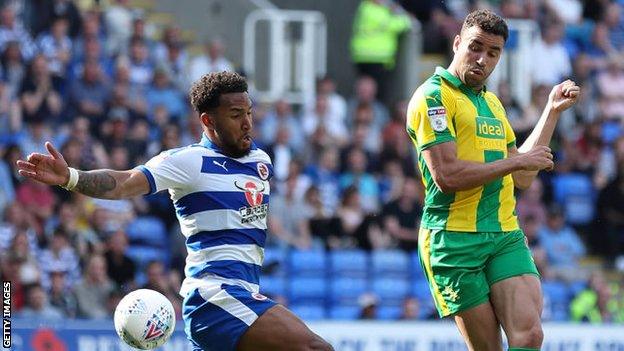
(453, 263)
(279, 329)
(515, 291)
(518, 305)
(480, 328)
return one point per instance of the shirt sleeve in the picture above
(170, 170)
(429, 120)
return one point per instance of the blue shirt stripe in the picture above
(150, 179)
(206, 239)
(216, 165)
(212, 200)
(229, 269)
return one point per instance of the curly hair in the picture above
(488, 21)
(206, 91)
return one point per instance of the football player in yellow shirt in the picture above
(474, 254)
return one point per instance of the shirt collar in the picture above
(455, 81)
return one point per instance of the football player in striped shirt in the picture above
(220, 190)
(475, 257)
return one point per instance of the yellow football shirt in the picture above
(443, 109)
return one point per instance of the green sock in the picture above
(521, 349)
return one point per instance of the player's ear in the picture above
(456, 42)
(207, 120)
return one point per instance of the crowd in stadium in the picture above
(346, 196)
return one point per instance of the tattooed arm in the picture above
(52, 169)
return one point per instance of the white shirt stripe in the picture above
(233, 307)
(248, 253)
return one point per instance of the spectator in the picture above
(140, 65)
(59, 256)
(93, 155)
(7, 191)
(89, 95)
(60, 294)
(211, 61)
(610, 84)
(325, 176)
(39, 94)
(597, 304)
(558, 66)
(611, 217)
(93, 290)
(356, 175)
(321, 115)
(166, 283)
(165, 95)
(10, 271)
(13, 68)
(530, 226)
(37, 306)
(368, 306)
(374, 43)
(561, 243)
(56, 46)
(366, 94)
(288, 218)
(401, 217)
(530, 203)
(118, 19)
(13, 31)
(282, 115)
(121, 268)
(358, 228)
(410, 309)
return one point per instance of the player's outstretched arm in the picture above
(52, 169)
(452, 174)
(562, 97)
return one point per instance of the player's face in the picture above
(476, 55)
(233, 124)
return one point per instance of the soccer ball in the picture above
(144, 319)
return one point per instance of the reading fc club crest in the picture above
(263, 171)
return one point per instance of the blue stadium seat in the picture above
(142, 255)
(391, 290)
(557, 299)
(417, 271)
(345, 290)
(389, 312)
(577, 195)
(390, 263)
(307, 290)
(347, 313)
(147, 231)
(348, 263)
(308, 312)
(274, 261)
(309, 263)
(272, 285)
(420, 290)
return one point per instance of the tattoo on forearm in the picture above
(95, 183)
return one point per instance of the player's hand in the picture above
(564, 95)
(50, 169)
(537, 159)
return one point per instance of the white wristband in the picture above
(73, 179)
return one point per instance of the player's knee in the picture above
(531, 337)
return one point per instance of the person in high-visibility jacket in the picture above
(374, 43)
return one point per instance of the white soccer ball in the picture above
(144, 319)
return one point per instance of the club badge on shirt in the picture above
(437, 118)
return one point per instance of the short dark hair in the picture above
(206, 91)
(488, 21)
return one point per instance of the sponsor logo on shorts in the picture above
(259, 297)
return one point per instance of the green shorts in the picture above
(461, 267)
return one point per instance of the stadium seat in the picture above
(391, 290)
(272, 285)
(307, 290)
(346, 313)
(390, 263)
(309, 263)
(348, 263)
(274, 262)
(417, 272)
(308, 312)
(420, 290)
(557, 298)
(389, 312)
(347, 290)
(148, 231)
(142, 255)
(577, 195)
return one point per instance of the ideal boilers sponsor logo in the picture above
(490, 134)
(6, 314)
(254, 195)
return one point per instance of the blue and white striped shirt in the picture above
(222, 205)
